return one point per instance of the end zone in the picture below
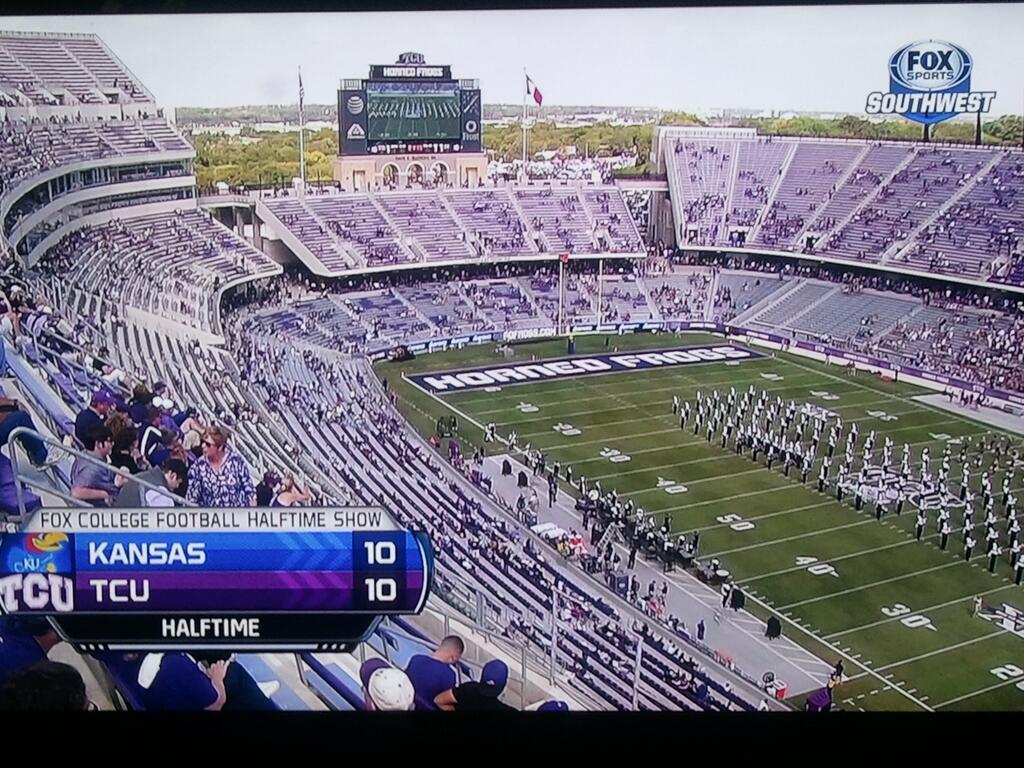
(579, 365)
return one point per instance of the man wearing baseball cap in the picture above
(95, 416)
(387, 689)
(478, 696)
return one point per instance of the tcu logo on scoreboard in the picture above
(412, 59)
(929, 82)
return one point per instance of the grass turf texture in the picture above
(950, 660)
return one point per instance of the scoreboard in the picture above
(299, 589)
(409, 107)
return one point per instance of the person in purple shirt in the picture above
(432, 675)
(24, 641)
(169, 681)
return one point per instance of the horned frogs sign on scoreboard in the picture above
(929, 82)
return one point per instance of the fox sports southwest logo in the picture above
(930, 81)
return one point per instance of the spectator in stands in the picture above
(125, 452)
(170, 475)
(478, 696)
(151, 439)
(95, 415)
(24, 641)
(99, 485)
(221, 477)
(266, 487)
(289, 494)
(12, 416)
(141, 399)
(48, 686)
(386, 689)
(434, 674)
(170, 681)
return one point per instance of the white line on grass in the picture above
(922, 610)
(790, 538)
(972, 694)
(851, 659)
(938, 652)
(877, 583)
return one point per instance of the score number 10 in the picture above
(381, 553)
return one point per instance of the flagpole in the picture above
(302, 137)
(524, 121)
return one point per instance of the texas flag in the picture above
(531, 88)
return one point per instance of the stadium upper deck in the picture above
(918, 208)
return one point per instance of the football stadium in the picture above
(740, 433)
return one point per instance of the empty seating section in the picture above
(810, 180)
(623, 301)
(29, 149)
(758, 164)
(913, 195)
(878, 164)
(354, 230)
(491, 216)
(793, 303)
(609, 210)
(443, 305)
(559, 216)
(680, 296)
(167, 264)
(503, 303)
(738, 293)
(704, 172)
(984, 225)
(854, 316)
(356, 220)
(388, 320)
(294, 215)
(41, 67)
(578, 305)
(423, 218)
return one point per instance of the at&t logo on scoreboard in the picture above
(929, 82)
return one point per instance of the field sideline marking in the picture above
(922, 610)
(929, 406)
(846, 656)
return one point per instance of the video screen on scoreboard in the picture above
(409, 111)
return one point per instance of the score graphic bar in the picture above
(198, 587)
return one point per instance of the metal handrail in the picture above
(82, 455)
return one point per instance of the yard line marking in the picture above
(722, 500)
(832, 559)
(912, 659)
(923, 610)
(876, 583)
(929, 406)
(689, 483)
(978, 692)
(789, 538)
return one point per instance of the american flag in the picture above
(302, 91)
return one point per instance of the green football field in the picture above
(899, 611)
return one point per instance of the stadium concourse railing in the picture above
(22, 478)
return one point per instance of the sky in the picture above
(825, 58)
